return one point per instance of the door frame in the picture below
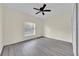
(75, 31)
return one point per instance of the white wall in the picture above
(56, 26)
(1, 29)
(14, 26)
(59, 25)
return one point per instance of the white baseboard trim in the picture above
(31, 38)
(1, 50)
(56, 38)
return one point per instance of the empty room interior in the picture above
(36, 29)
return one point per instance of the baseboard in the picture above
(1, 51)
(37, 38)
(26, 40)
(56, 39)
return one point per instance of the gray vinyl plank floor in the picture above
(39, 47)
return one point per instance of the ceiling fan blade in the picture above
(43, 13)
(47, 10)
(38, 12)
(36, 8)
(44, 6)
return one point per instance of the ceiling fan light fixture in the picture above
(41, 9)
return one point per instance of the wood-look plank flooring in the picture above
(39, 47)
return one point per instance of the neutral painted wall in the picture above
(56, 26)
(1, 29)
(59, 24)
(14, 26)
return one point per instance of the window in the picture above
(29, 28)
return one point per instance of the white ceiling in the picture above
(56, 8)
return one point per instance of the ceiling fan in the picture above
(42, 9)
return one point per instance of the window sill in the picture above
(28, 35)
